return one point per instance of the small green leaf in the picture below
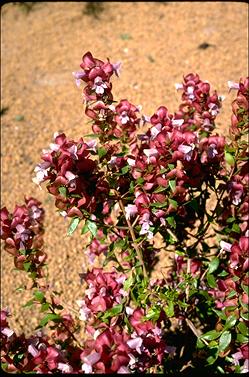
(63, 191)
(92, 227)
(29, 303)
(213, 265)
(128, 283)
(225, 340)
(44, 307)
(169, 310)
(39, 296)
(140, 181)
(211, 280)
(229, 159)
(245, 316)
(158, 205)
(172, 185)
(236, 228)
(170, 166)
(231, 294)
(159, 189)
(230, 322)
(49, 317)
(125, 169)
(102, 152)
(199, 343)
(153, 313)
(243, 328)
(171, 221)
(231, 219)
(173, 203)
(210, 335)
(26, 266)
(73, 225)
(84, 228)
(242, 338)
(212, 358)
(113, 311)
(220, 314)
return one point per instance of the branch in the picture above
(131, 230)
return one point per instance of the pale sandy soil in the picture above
(156, 42)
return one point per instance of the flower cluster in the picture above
(22, 232)
(199, 108)
(72, 176)
(37, 354)
(105, 290)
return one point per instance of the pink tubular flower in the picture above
(23, 230)
(72, 176)
(104, 291)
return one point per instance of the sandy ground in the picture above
(157, 43)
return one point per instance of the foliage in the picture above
(179, 180)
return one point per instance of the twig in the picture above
(136, 247)
(194, 330)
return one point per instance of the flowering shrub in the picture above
(125, 188)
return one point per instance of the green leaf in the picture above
(173, 203)
(213, 357)
(44, 307)
(220, 314)
(84, 228)
(211, 281)
(159, 189)
(92, 227)
(242, 338)
(128, 283)
(236, 228)
(29, 303)
(170, 166)
(231, 219)
(225, 340)
(73, 225)
(243, 328)
(172, 185)
(213, 265)
(231, 294)
(140, 181)
(229, 159)
(113, 311)
(158, 205)
(63, 191)
(92, 135)
(199, 343)
(125, 169)
(169, 310)
(153, 313)
(245, 316)
(49, 317)
(102, 152)
(230, 322)
(26, 266)
(39, 296)
(210, 335)
(171, 221)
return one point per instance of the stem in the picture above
(194, 330)
(131, 230)
(65, 326)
